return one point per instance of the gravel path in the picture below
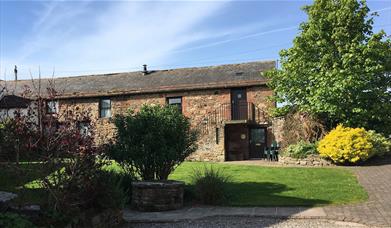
(243, 222)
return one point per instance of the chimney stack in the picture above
(145, 71)
(16, 73)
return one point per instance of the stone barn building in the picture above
(228, 104)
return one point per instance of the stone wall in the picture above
(197, 105)
(278, 124)
(311, 160)
(260, 97)
(210, 146)
(104, 128)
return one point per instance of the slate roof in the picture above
(222, 76)
(12, 101)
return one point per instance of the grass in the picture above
(282, 186)
(248, 186)
(24, 181)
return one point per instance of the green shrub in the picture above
(300, 150)
(80, 190)
(153, 141)
(209, 184)
(123, 182)
(381, 145)
(12, 220)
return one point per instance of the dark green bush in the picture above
(300, 150)
(12, 220)
(209, 184)
(153, 141)
(122, 181)
(80, 190)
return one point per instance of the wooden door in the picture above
(239, 109)
(236, 142)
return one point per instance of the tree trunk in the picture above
(17, 154)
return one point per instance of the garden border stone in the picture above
(310, 160)
(5, 198)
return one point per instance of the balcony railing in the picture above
(245, 111)
(238, 111)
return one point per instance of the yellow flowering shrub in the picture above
(346, 145)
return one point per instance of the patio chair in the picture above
(274, 151)
(267, 153)
(274, 155)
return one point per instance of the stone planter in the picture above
(157, 195)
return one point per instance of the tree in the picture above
(153, 141)
(338, 69)
(38, 136)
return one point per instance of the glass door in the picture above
(257, 141)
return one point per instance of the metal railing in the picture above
(230, 112)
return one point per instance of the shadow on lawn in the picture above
(258, 194)
(14, 178)
(266, 194)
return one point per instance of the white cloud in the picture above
(124, 34)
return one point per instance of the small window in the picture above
(105, 108)
(177, 101)
(84, 128)
(51, 107)
(217, 135)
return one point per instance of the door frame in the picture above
(235, 109)
(256, 126)
(228, 131)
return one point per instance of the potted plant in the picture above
(151, 143)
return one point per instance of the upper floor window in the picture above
(51, 107)
(177, 101)
(105, 108)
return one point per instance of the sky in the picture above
(71, 38)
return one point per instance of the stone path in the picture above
(376, 212)
(193, 213)
(253, 222)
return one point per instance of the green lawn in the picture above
(23, 181)
(249, 186)
(277, 186)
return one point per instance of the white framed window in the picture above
(176, 101)
(105, 108)
(52, 107)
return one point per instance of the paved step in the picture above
(194, 213)
(5, 198)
